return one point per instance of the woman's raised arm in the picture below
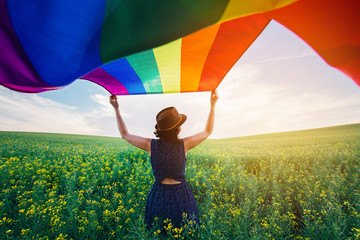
(193, 141)
(137, 141)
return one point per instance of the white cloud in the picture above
(30, 112)
(254, 100)
(104, 109)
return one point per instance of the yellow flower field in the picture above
(297, 185)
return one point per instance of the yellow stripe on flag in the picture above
(168, 59)
(240, 8)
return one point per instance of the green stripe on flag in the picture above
(133, 26)
(144, 64)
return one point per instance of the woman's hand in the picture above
(113, 101)
(214, 97)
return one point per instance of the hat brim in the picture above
(183, 119)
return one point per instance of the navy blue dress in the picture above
(169, 201)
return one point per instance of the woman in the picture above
(170, 196)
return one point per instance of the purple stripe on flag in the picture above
(104, 79)
(16, 71)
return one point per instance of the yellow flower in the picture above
(61, 237)
(168, 227)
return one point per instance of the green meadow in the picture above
(294, 185)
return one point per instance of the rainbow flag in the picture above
(143, 47)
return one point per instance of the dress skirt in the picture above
(170, 201)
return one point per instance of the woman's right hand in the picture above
(113, 101)
(214, 97)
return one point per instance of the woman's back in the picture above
(168, 160)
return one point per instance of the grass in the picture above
(294, 185)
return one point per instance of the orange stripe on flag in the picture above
(194, 51)
(233, 39)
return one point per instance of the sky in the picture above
(280, 84)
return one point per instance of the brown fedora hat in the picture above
(169, 118)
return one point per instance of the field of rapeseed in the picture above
(297, 185)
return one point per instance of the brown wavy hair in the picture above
(169, 135)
